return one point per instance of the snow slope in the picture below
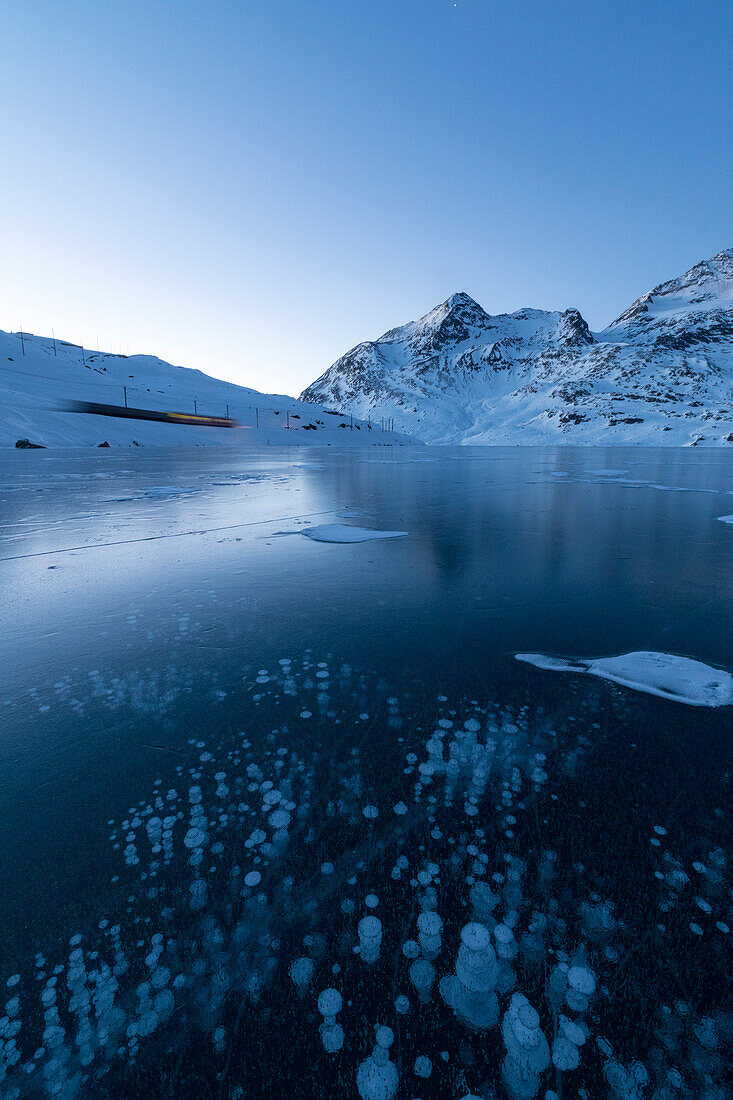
(661, 373)
(36, 379)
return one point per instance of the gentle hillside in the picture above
(37, 378)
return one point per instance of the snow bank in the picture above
(664, 674)
(38, 378)
(341, 532)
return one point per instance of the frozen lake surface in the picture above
(286, 817)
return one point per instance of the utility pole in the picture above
(195, 407)
(53, 337)
(83, 357)
(22, 342)
(125, 389)
(257, 417)
(227, 412)
(287, 415)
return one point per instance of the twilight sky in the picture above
(252, 188)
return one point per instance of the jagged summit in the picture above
(662, 372)
(460, 300)
(452, 319)
(706, 283)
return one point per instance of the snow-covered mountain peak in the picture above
(451, 321)
(461, 375)
(707, 285)
(460, 306)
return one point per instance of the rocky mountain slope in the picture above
(661, 373)
(40, 377)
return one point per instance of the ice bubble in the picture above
(384, 1037)
(252, 878)
(470, 991)
(163, 1004)
(332, 1037)
(376, 1077)
(423, 1066)
(565, 1055)
(402, 1004)
(195, 838)
(582, 984)
(197, 894)
(528, 1052)
(330, 1002)
(506, 946)
(422, 976)
(430, 927)
(371, 901)
(411, 949)
(370, 812)
(370, 938)
(598, 920)
(575, 1033)
(301, 973)
(483, 903)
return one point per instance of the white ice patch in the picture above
(726, 519)
(608, 473)
(664, 674)
(342, 532)
(166, 491)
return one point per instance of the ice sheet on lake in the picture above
(615, 477)
(342, 532)
(726, 519)
(664, 674)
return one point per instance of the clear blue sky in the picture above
(252, 188)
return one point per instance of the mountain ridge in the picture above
(461, 375)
